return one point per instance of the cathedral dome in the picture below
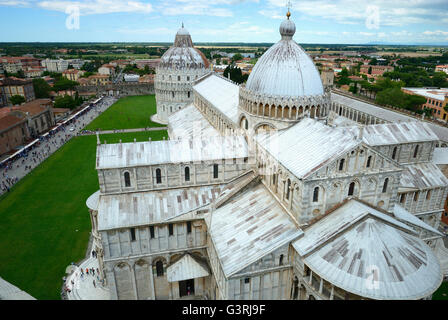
(183, 54)
(285, 69)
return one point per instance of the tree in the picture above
(237, 57)
(17, 99)
(64, 84)
(236, 74)
(414, 102)
(65, 101)
(41, 88)
(370, 70)
(373, 62)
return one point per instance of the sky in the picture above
(317, 21)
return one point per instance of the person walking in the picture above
(94, 284)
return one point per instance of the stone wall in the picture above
(172, 175)
(122, 89)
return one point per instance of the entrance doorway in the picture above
(186, 287)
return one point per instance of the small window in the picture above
(288, 187)
(394, 153)
(170, 229)
(188, 78)
(188, 94)
(316, 194)
(247, 280)
(385, 185)
(127, 179)
(351, 189)
(159, 268)
(158, 176)
(403, 198)
(151, 231)
(245, 160)
(341, 164)
(428, 194)
(280, 262)
(415, 151)
(369, 160)
(178, 78)
(215, 171)
(132, 234)
(188, 226)
(187, 174)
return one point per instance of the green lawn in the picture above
(45, 222)
(127, 113)
(441, 293)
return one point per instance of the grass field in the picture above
(45, 222)
(127, 113)
(441, 293)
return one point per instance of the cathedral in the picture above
(267, 190)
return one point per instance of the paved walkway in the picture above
(126, 130)
(18, 169)
(82, 287)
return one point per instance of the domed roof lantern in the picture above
(183, 38)
(287, 28)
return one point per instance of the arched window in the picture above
(188, 78)
(288, 187)
(416, 196)
(369, 159)
(415, 151)
(394, 153)
(215, 171)
(158, 176)
(341, 164)
(187, 174)
(127, 179)
(316, 194)
(172, 93)
(403, 198)
(159, 268)
(385, 185)
(178, 78)
(351, 189)
(280, 262)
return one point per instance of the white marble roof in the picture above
(307, 146)
(349, 244)
(422, 176)
(386, 115)
(9, 291)
(396, 133)
(247, 227)
(221, 93)
(186, 268)
(437, 94)
(402, 214)
(440, 156)
(189, 123)
(93, 201)
(125, 155)
(126, 210)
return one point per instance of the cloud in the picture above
(98, 6)
(436, 33)
(13, 3)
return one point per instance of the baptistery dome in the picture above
(179, 67)
(183, 54)
(284, 87)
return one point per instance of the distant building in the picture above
(327, 76)
(376, 71)
(147, 78)
(94, 80)
(107, 69)
(16, 64)
(15, 86)
(151, 63)
(38, 113)
(13, 132)
(60, 113)
(72, 74)
(436, 100)
(442, 68)
(131, 77)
